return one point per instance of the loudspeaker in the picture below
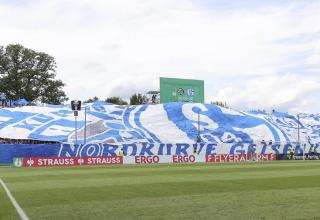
(76, 105)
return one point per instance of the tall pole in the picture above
(299, 137)
(198, 124)
(198, 136)
(75, 106)
(76, 128)
(299, 129)
(85, 125)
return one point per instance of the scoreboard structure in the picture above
(181, 90)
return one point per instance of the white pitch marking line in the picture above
(22, 214)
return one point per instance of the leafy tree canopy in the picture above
(28, 74)
(93, 99)
(116, 100)
(138, 99)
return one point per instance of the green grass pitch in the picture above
(271, 190)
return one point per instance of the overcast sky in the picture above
(252, 54)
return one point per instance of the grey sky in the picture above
(250, 54)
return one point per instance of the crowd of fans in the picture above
(25, 141)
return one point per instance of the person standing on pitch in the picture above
(292, 151)
(306, 153)
(312, 152)
(195, 149)
(289, 153)
(252, 152)
(121, 151)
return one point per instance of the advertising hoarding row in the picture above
(152, 159)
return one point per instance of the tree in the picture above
(28, 74)
(116, 100)
(138, 99)
(94, 99)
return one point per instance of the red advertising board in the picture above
(217, 158)
(71, 161)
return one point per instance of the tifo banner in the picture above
(163, 123)
(136, 150)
